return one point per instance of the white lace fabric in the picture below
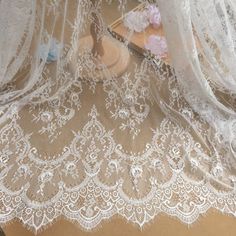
(135, 145)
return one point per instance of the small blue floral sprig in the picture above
(53, 53)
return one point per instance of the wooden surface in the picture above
(137, 40)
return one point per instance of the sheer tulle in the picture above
(203, 62)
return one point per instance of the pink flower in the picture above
(154, 16)
(136, 21)
(157, 45)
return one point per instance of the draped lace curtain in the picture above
(156, 138)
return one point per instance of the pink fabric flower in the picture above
(136, 21)
(154, 16)
(157, 45)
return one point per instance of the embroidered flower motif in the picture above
(217, 170)
(187, 113)
(22, 171)
(46, 176)
(194, 165)
(124, 113)
(4, 158)
(46, 116)
(74, 97)
(55, 103)
(112, 167)
(70, 166)
(129, 99)
(70, 169)
(136, 171)
(175, 152)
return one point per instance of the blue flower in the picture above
(52, 54)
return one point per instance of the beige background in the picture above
(212, 224)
